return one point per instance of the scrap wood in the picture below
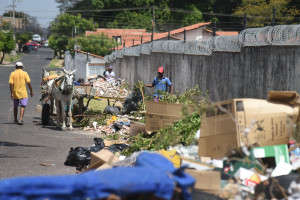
(46, 164)
(111, 142)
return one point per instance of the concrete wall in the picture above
(250, 73)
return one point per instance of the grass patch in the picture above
(100, 104)
(10, 58)
(56, 63)
(96, 104)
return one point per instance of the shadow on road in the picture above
(6, 156)
(13, 144)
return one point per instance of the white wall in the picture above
(196, 34)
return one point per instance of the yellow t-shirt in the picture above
(19, 78)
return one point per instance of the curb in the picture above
(6, 65)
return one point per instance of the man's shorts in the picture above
(22, 102)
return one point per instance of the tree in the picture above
(260, 14)
(136, 14)
(66, 4)
(98, 45)
(22, 38)
(5, 25)
(63, 27)
(7, 44)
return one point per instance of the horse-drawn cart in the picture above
(96, 90)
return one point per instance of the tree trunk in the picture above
(2, 58)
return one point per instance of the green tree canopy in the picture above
(98, 45)
(7, 44)
(260, 12)
(63, 27)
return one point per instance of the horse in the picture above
(62, 92)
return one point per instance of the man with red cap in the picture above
(160, 82)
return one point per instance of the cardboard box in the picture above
(235, 122)
(102, 157)
(207, 181)
(160, 115)
(279, 152)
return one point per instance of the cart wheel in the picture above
(45, 114)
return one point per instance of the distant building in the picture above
(133, 37)
(19, 22)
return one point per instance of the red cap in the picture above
(161, 70)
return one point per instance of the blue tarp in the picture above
(152, 173)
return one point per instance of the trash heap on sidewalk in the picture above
(246, 148)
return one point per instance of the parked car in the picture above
(28, 48)
(33, 43)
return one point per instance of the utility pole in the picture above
(14, 34)
(153, 19)
(273, 19)
(75, 37)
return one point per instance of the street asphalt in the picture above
(25, 149)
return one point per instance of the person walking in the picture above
(17, 82)
(160, 82)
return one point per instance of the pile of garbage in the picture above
(119, 124)
(115, 89)
(258, 162)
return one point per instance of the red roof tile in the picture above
(191, 27)
(226, 33)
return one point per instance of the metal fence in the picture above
(276, 35)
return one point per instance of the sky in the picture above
(44, 10)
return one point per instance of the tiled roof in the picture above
(226, 33)
(229, 33)
(133, 37)
(191, 27)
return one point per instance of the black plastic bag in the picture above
(111, 110)
(78, 157)
(117, 147)
(81, 156)
(99, 142)
(117, 126)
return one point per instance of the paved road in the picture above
(24, 147)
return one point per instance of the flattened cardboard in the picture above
(207, 181)
(288, 97)
(245, 121)
(160, 115)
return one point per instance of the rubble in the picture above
(115, 89)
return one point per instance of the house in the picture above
(19, 22)
(133, 37)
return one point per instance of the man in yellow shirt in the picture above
(17, 81)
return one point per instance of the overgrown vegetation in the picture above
(182, 132)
